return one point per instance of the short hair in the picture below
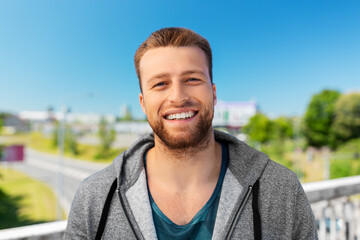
(175, 37)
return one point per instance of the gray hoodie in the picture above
(282, 207)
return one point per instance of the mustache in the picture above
(183, 104)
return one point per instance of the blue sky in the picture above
(279, 53)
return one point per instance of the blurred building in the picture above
(139, 128)
(233, 115)
(45, 121)
(13, 124)
(85, 118)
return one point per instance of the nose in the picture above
(178, 93)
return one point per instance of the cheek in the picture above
(208, 96)
(152, 106)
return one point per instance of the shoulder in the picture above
(94, 189)
(100, 179)
(87, 204)
(283, 203)
(279, 184)
(277, 173)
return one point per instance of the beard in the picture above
(186, 137)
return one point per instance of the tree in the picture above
(71, 141)
(319, 118)
(2, 118)
(107, 137)
(346, 125)
(282, 128)
(259, 128)
(127, 116)
(55, 135)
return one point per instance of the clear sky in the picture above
(279, 53)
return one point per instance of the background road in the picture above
(46, 168)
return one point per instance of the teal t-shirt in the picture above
(202, 224)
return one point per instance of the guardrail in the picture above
(42, 231)
(338, 215)
(331, 189)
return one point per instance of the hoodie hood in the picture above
(246, 163)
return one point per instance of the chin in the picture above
(185, 140)
(193, 136)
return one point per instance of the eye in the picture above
(193, 80)
(159, 84)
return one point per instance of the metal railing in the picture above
(42, 231)
(337, 213)
(336, 210)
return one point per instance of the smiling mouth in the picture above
(180, 116)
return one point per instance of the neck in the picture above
(184, 169)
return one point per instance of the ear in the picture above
(214, 93)
(142, 104)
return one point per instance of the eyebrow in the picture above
(157, 76)
(192, 72)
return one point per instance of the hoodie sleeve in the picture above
(284, 208)
(304, 222)
(87, 206)
(78, 218)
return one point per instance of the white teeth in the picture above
(178, 116)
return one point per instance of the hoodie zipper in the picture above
(241, 207)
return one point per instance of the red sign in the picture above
(13, 153)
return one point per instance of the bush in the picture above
(352, 146)
(277, 151)
(344, 168)
(107, 136)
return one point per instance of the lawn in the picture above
(39, 142)
(23, 200)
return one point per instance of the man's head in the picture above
(175, 37)
(177, 93)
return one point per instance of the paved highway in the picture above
(46, 168)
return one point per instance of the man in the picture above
(187, 181)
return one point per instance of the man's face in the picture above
(177, 95)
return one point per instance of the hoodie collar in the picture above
(246, 163)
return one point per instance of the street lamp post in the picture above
(61, 145)
(60, 172)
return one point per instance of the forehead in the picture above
(172, 60)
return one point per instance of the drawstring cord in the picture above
(105, 211)
(256, 214)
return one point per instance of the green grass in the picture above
(23, 200)
(39, 142)
(346, 160)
